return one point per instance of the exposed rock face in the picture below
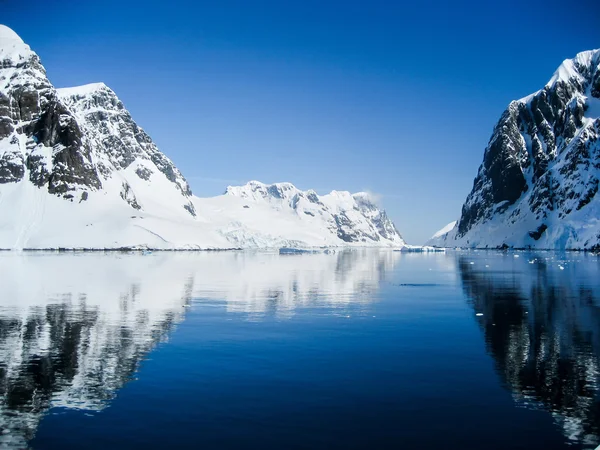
(115, 134)
(354, 218)
(538, 181)
(39, 137)
(72, 141)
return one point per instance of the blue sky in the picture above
(395, 99)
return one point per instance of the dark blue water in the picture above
(360, 349)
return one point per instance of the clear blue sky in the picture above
(396, 99)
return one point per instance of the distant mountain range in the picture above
(538, 184)
(77, 172)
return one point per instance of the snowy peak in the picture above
(7, 35)
(93, 97)
(582, 68)
(257, 191)
(279, 193)
(353, 218)
(581, 73)
(12, 46)
(84, 90)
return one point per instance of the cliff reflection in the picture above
(541, 322)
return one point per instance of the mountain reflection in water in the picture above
(324, 343)
(541, 323)
(75, 327)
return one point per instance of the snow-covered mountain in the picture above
(352, 218)
(538, 183)
(76, 171)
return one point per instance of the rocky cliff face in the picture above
(353, 218)
(72, 142)
(40, 140)
(119, 142)
(538, 183)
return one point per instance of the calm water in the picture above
(364, 349)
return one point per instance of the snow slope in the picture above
(537, 186)
(76, 171)
(32, 219)
(439, 238)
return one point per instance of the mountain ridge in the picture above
(77, 172)
(352, 217)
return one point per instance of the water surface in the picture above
(361, 349)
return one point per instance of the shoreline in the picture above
(288, 250)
